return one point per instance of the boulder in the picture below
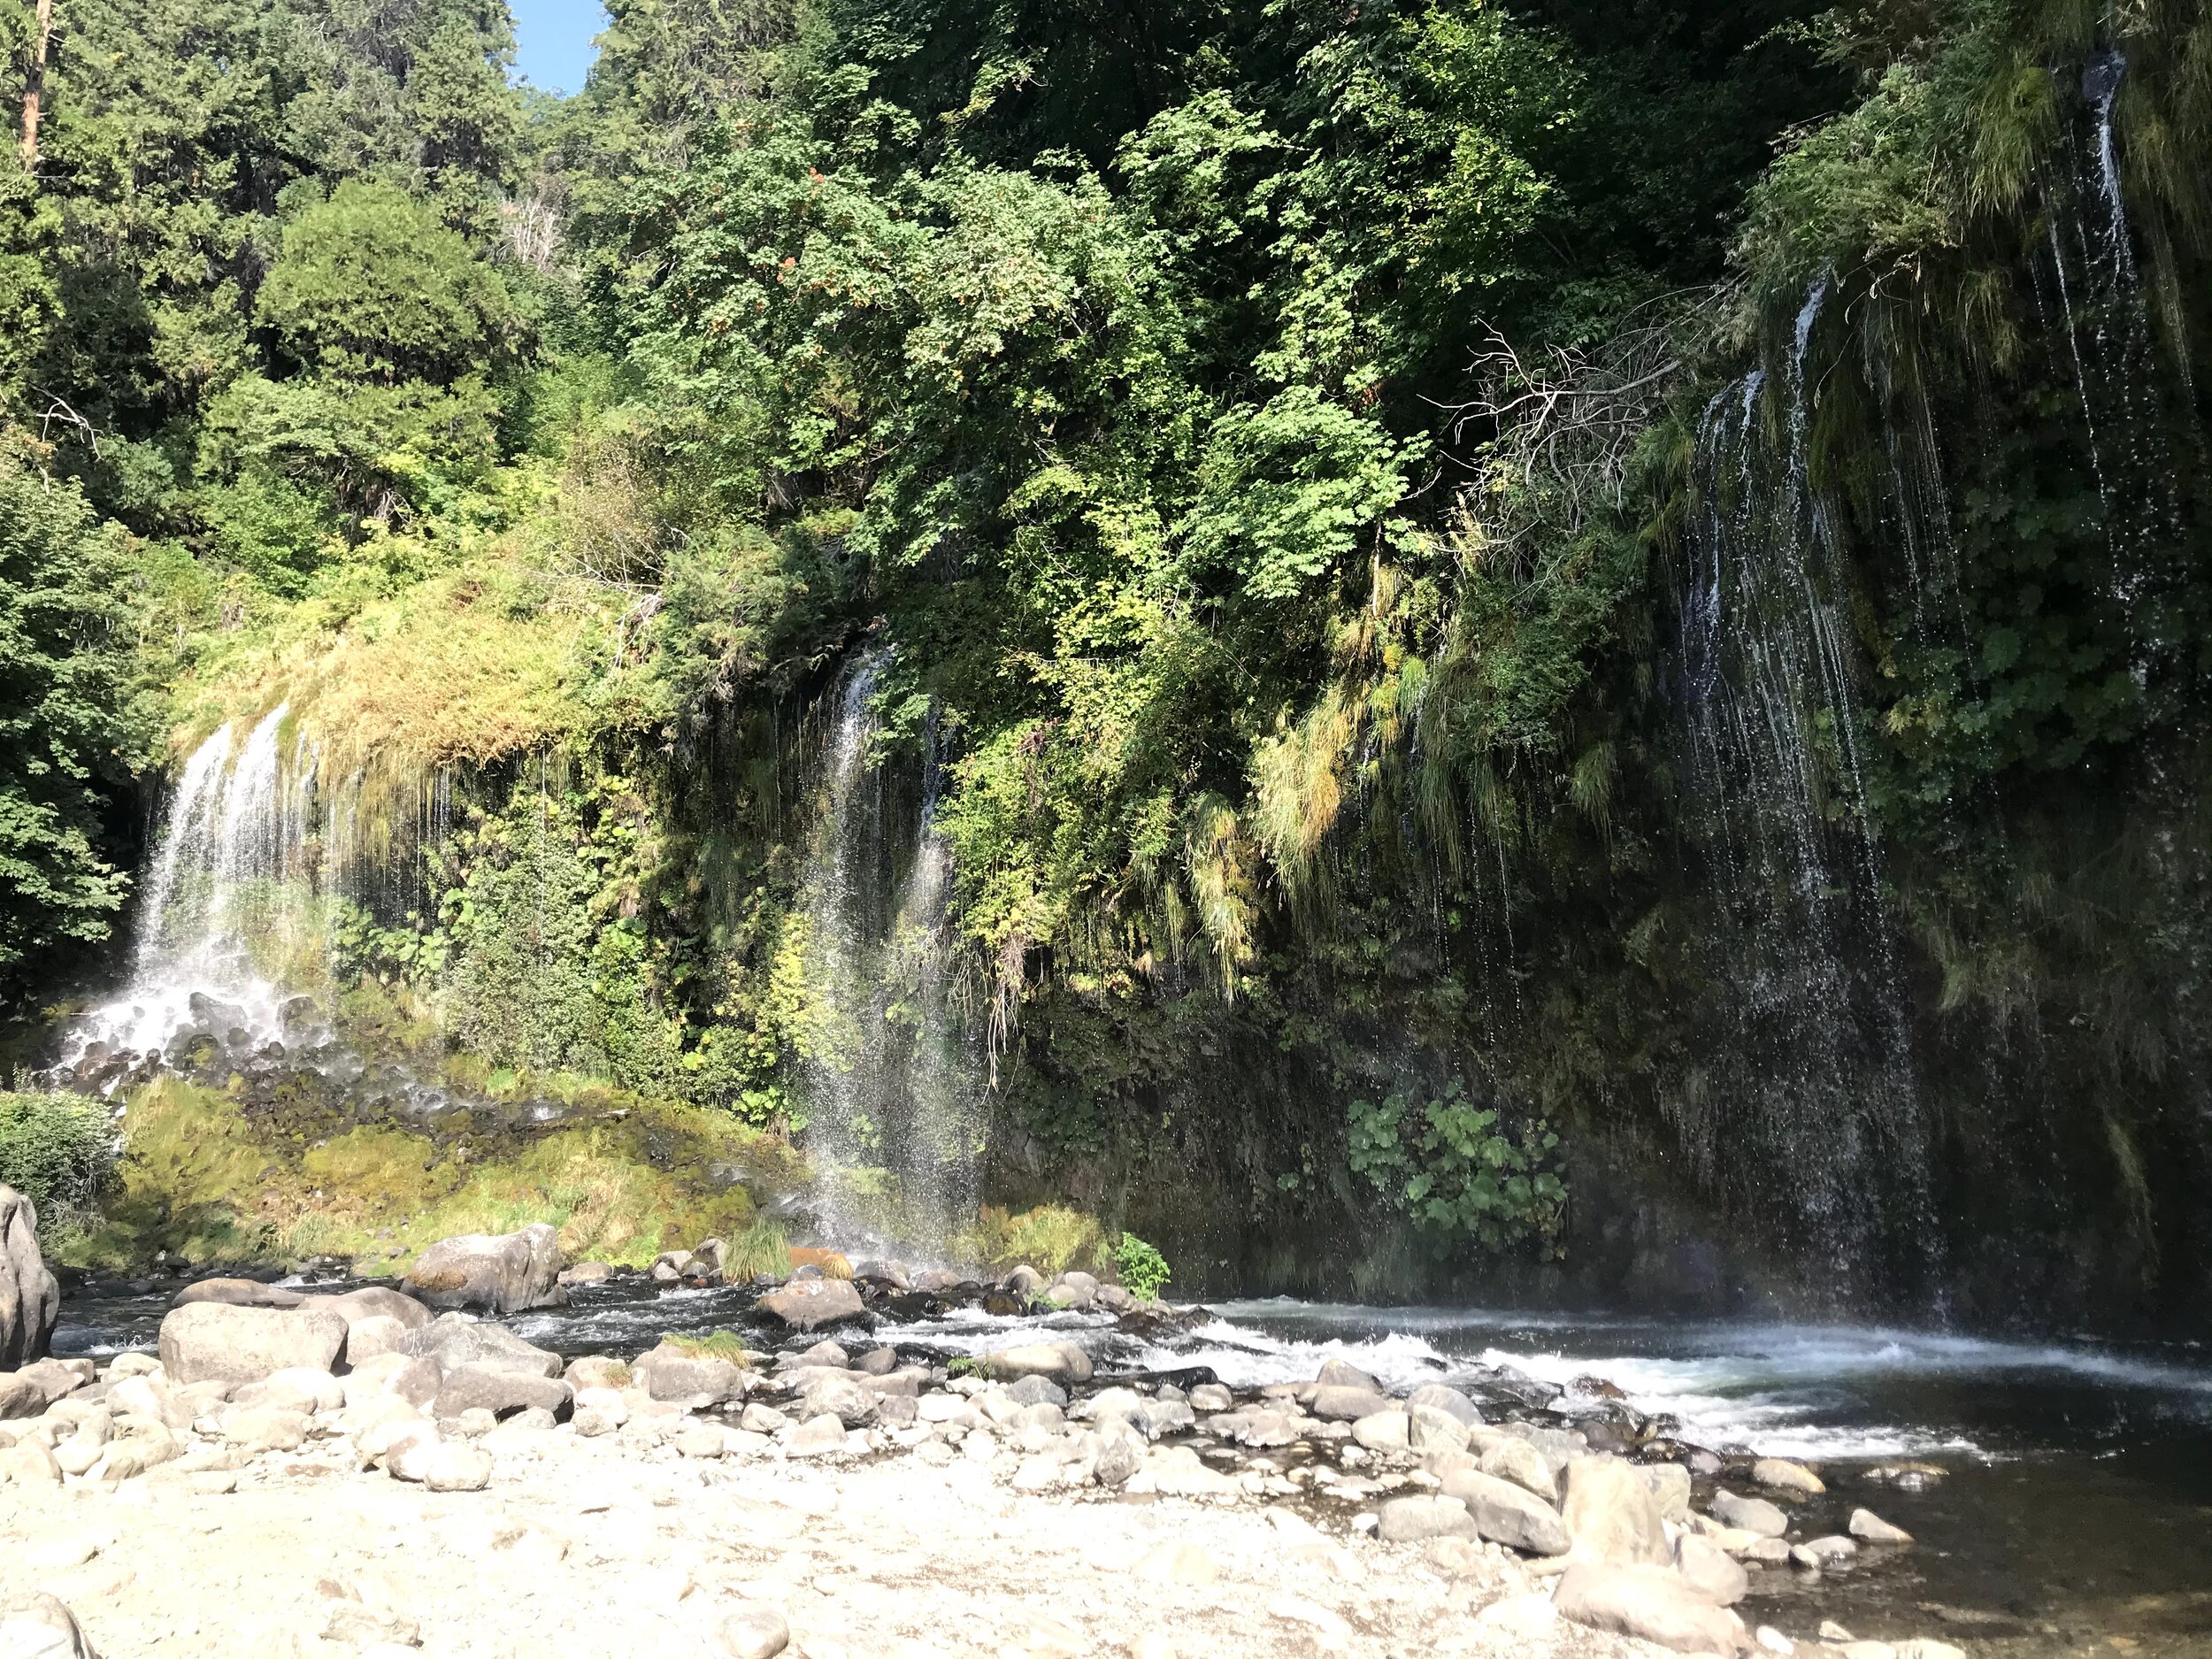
(1612, 1514)
(1874, 1529)
(597, 1370)
(1518, 1462)
(374, 1301)
(371, 1337)
(1337, 1373)
(1384, 1431)
(1647, 1601)
(1448, 1401)
(1345, 1403)
(835, 1394)
(497, 1272)
(1818, 1553)
(28, 1392)
(816, 1437)
(1507, 1514)
(30, 1300)
(218, 1341)
(1752, 1515)
(1407, 1520)
(265, 1428)
(1670, 1484)
(452, 1468)
(1708, 1571)
(238, 1293)
(674, 1373)
(499, 1391)
(1059, 1362)
(758, 1632)
(307, 1391)
(1429, 1430)
(38, 1626)
(808, 1304)
(585, 1273)
(454, 1339)
(1784, 1476)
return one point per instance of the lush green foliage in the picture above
(1143, 1270)
(56, 1150)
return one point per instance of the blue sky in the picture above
(553, 41)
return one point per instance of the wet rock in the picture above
(1518, 1462)
(1063, 1363)
(1507, 1514)
(40, 1626)
(499, 1391)
(1784, 1476)
(1337, 1373)
(494, 1273)
(1818, 1555)
(808, 1304)
(1611, 1512)
(214, 1341)
(1647, 1601)
(1874, 1529)
(1409, 1520)
(1211, 1397)
(30, 1298)
(758, 1631)
(1705, 1567)
(1345, 1403)
(454, 1339)
(1752, 1515)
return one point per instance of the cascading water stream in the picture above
(890, 1086)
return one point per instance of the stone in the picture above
(672, 1371)
(506, 1272)
(1451, 1401)
(215, 1341)
(1212, 1396)
(265, 1428)
(455, 1468)
(1670, 1484)
(1518, 1462)
(1259, 1428)
(29, 1463)
(1708, 1572)
(761, 1419)
(1120, 1455)
(1753, 1515)
(499, 1392)
(1409, 1520)
(374, 1337)
(1061, 1363)
(1529, 1614)
(816, 1437)
(1507, 1514)
(1647, 1601)
(1611, 1512)
(758, 1631)
(1384, 1431)
(1036, 1389)
(1339, 1373)
(1874, 1650)
(584, 1273)
(702, 1440)
(1873, 1528)
(238, 1293)
(808, 1304)
(40, 1626)
(1784, 1476)
(1348, 1404)
(1773, 1641)
(407, 1449)
(298, 1389)
(841, 1397)
(596, 1371)
(1429, 1429)
(373, 1302)
(454, 1339)
(1818, 1554)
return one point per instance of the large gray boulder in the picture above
(673, 1371)
(30, 1301)
(1507, 1514)
(1061, 1362)
(38, 1626)
(373, 1302)
(240, 1293)
(808, 1304)
(454, 1339)
(499, 1392)
(505, 1272)
(1647, 1601)
(218, 1341)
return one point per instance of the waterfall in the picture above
(1801, 1104)
(889, 1081)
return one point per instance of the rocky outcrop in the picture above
(30, 1301)
(505, 1272)
(218, 1341)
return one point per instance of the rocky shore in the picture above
(296, 1473)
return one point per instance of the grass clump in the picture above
(1050, 1238)
(55, 1149)
(762, 1248)
(724, 1345)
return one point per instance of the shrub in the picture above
(1143, 1270)
(1050, 1238)
(56, 1150)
